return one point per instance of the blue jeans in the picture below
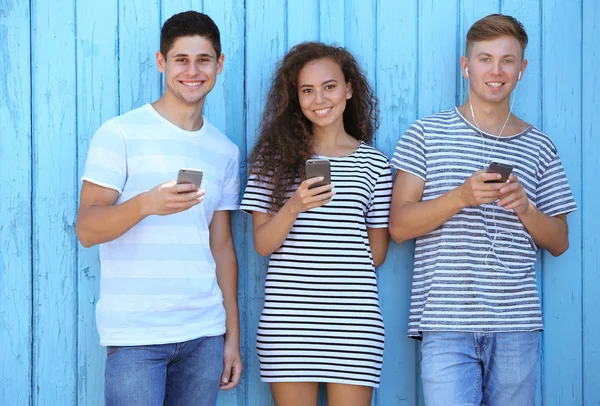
(180, 374)
(472, 369)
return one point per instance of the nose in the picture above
(192, 69)
(496, 68)
(319, 96)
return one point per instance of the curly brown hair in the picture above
(286, 140)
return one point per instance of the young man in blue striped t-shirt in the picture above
(168, 310)
(474, 298)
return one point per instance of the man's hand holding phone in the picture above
(171, 197)
(514, 197)
(480, 188)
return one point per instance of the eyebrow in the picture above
(488, 54)
(199, 55)
(324, 83)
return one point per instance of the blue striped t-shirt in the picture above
(475, 273)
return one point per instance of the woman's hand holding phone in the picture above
(305, 198)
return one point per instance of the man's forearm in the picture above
(411, 220)
(100, 224)
(550, 233)
(227, 278)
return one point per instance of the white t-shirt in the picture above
(158, 283)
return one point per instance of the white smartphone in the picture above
(193, 176)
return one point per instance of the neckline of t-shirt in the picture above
(345, 156)
(488, 135)
(180, 130)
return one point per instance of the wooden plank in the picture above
(361, 35)
(224, 109)
(589, 201)
(139, 39)
(438, 56)
(54, 203)
(527, 104)
(98, 101)
(469, 12)
(170, 7)
(303, 23)
(561, 120)
(396, 72)
(265, 46)
(332, 21)
(15, 211)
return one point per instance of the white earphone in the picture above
(519, 76)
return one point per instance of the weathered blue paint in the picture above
(15, 208)
(72, 64)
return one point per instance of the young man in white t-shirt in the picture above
(168, 311)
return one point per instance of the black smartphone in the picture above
(318, 167)
(503, 169)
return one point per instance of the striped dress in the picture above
(321, 320)
(475, 273)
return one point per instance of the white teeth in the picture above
(494, 84)
(322, 112)
(191, 84)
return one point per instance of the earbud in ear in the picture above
(467, 72)
(519, 76)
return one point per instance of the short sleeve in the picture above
(258, 195)
(379, 210)
(409, 155)
(554, 194)
(230, 192)
(106, 163)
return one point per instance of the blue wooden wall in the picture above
(68, 65)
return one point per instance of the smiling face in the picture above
(322, 92)
(494, 68)
(191, 67)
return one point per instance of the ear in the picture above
(160, 62)
(464, 63)
(523, 67)
(220, 61)
(349, 90)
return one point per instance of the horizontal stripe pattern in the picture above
(321, 320)
(158, 283)
(476, 271)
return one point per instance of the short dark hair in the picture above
(189, 24)
(494, 26)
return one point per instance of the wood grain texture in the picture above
(98, 101)
(561, 120)
(73, 64)
(54, 100)
(15, 208)
(590, 222)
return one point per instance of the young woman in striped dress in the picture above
(321, 320)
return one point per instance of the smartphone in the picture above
(193, 176)
(502, 169)
(318, 167)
